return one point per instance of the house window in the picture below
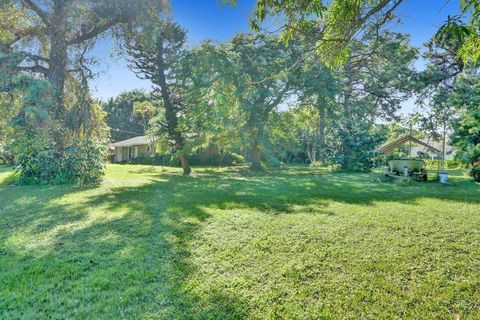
(149, 149)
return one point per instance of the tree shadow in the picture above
(135, 257)
(139, 254)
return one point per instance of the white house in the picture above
(127, 150)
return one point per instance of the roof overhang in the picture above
(389, 147)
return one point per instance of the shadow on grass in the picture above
(136, 259)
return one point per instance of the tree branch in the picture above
(35, 68)
(42, 14)
(95, 31)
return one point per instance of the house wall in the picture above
(145, 150)
(123, 154)
(118, 154)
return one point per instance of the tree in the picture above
(9, 106)
(332, 25)
(214, 113)
(466, 127)
(295, 135)
(146, 111)
(44, 48)
(53, 42)
(155, 50)
(374, 81)
(121, 118)
(318, 88)
(254, 58)
(438, 82)
(465, 28)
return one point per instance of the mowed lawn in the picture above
(298, 243)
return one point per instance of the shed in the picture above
(389, 147)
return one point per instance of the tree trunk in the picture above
(185, 165)
(346, 115)
(310, 147)
(444, 145)
(256, 158)
(255, 125)
(57, 67)
(321, 133)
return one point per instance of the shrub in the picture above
(356, 140)
(271, 160)
(200, 159)
(82, 163)
(85, 162)
(475, 172)
(219, 159)
(157, 159)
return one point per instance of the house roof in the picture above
(136, 141)
(389, 147)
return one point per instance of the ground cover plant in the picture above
(297, 243)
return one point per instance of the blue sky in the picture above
(206, 19)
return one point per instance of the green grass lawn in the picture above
(225, 244)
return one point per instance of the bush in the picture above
(201, 159)
(213, 160)
(157, 159)
(475, 172)
(85, 162)
(271, 160)
(448, 164)
(356, 141)
(82, 163)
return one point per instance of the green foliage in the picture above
(466, 127)
(82, 163)
(332, 25)
(253, 61)
(48, 42)
(465, 33)
(271, 160)
(121, 118)
(146, 111)
(156, 48)
(224, 159)
(201, 158)
(358, 141)
(475, 171)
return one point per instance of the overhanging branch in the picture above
(95, 31)
(35, 8)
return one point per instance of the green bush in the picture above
(356, 141)
(157, 159)
(201, 159)
(220, 159)
(475, 172)
(271, 160)
(82, 163)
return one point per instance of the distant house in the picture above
(133, 148)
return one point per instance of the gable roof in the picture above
(136, 141)
(389, 147)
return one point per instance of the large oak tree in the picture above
(51, 39)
